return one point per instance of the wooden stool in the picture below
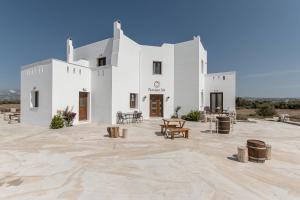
(113, 131)
(124, 132)
(268, 157)
(242, 155)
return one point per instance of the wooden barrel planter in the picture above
(223, 125)
(257, 151)
(113, 131)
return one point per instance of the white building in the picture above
(118, 74)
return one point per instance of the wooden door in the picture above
(83, 105)
(216, 101)
(156, 105)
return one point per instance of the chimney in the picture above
(117, 29)
(70, 52)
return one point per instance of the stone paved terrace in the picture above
(81, 163)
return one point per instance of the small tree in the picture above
(266, 110)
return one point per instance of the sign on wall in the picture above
(156, 88)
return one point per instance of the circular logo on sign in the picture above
(156, 84)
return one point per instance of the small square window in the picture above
(133, 100)
(157, 67)
(101, 61)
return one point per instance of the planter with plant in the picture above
(57, 122)
(175, 116)
(193, 115)
(68, 116)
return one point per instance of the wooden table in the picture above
(169, 123)
(14, 117)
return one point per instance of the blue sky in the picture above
(258, 39)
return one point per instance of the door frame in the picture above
(87, 106)
(210, 99)
(162, 101)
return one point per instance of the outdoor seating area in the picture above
(174, 126)
(221, 123)
(129, 117)
(100, 160)
(12, 115)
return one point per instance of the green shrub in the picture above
(266, 110)
(193, 115)
(57, 122)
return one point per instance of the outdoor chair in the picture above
(139, 117)
(135, 116)
(120, 118)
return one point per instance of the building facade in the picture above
(117, 74)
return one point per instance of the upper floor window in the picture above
(224, 78)
(101, 61)
(156, 67)
(202, 66)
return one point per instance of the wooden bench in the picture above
(184, 131)
(163, 128)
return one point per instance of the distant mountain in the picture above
(10, 95)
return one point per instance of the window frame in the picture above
(99, 63)
(153, 67)
(34, 99)
(133, 104)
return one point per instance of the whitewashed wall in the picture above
(165, 54)
(215, 83)
(202, 73)
(95, 50)
(125, 76)
(39, 76)
(68, 84)
(101, 78)
(186, 63)
(101, 95)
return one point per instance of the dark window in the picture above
(102, 61)
(156, 67)
(223, 77)
(36, 99)
(132, 100)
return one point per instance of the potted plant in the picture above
(177, 110)
(68, 116)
